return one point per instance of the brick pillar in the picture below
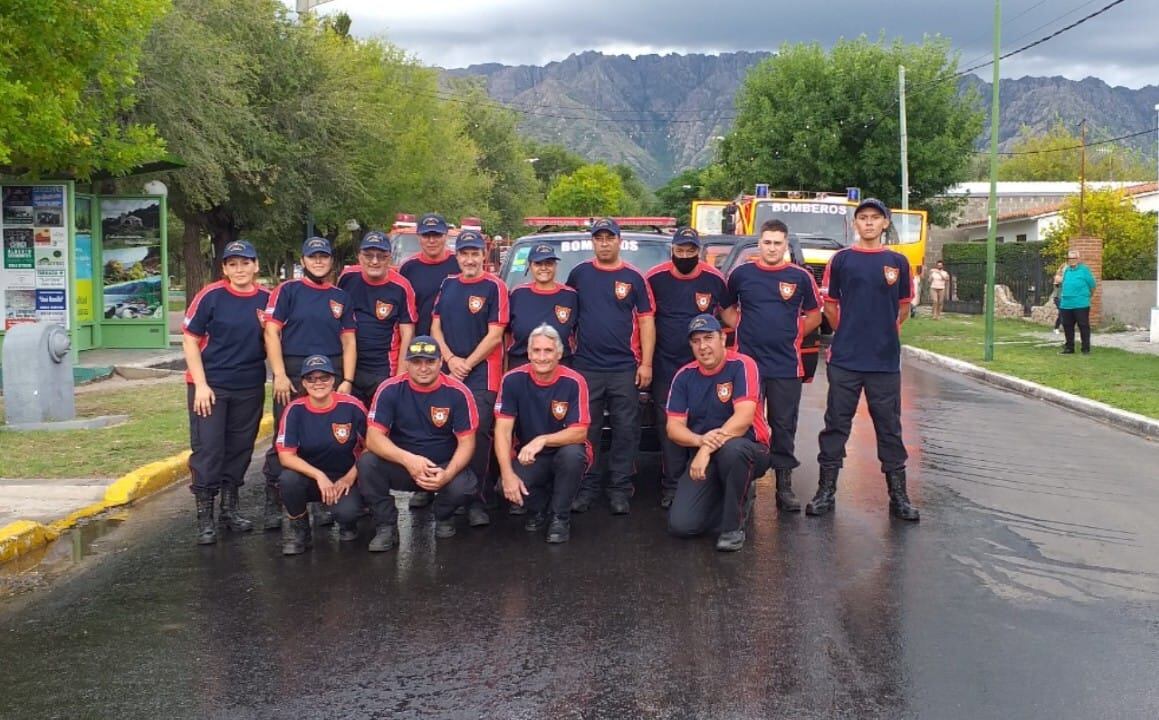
(1091, 254)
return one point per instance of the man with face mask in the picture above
(683, 288)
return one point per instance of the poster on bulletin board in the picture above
(34, 272)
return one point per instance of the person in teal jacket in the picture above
(1076, 285)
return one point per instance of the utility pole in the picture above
(1083, 179)
(992, 233)
(1155, 310)
(904, 139)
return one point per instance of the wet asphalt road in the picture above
(1029, 590)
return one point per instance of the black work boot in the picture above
(559, 531)
(206, 529)
(272, 514)
(385, 538)
(899, 504)
(730, 541)
(321, 514)
(825, 499)
(477, 516)
(347, 532)
(535, 522)
(296, 536)
(786, 500)
(230, 517)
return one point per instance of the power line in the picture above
(1072, 147)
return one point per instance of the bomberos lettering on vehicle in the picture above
(818, 208)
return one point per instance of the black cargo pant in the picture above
(298, 490)
(365, 385)
(377, 477)
(673, 457)
(883, 395)
(783, 403)
(616, 392)
(273, 468)
(223, 442)
(717, 503)
(1080, 317)
(485, 470)
(553, 480)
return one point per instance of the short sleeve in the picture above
(408, 311)
(288, 431)
(199, 314)
(645, 304)
(382, 410)
(831, 281)
(746, 384)
(572, 277)
(811, 299)
(731, 292)
(577, 407)
(905, 288)
(499, 313)
(507, 404)
(281, 305)
(360, 425)
(438, 306)
(678, 395)
(347, 319)
(465, 416)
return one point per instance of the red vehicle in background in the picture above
(404, 239)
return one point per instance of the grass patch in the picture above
(1122, 379)
(158, 427)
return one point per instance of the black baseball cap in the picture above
(375, 240)
(686, 236)
(875, 204)
(239, 248)
(432, 224)
(424, 347)
(316, 246)
(317, 363)
(703, 323)
(542, 253)
(605, 225)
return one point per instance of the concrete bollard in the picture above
(38, 384)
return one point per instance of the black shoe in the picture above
(535, 523)
(1086, 351)
(420, 499)
(620, 505)
(206, 528)
(514, 509)
(730, 541)
(1066, 351)
(321, 514)
(582, 504)
(296, 536)
(899, 504)
(825, 499)
(385, 538)
(444, 528)
(477, 516)
(347, 532)
(786, 499)
(230, 517)
(559, 531)
(666, 498)
(272, 514)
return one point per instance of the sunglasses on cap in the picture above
(422, 347)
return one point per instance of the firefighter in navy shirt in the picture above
(305, 317)
(774, 305)
(682, 289)
(383, 304)
(471, 315)
(421, 436)
(320, 437)
(712, 409)
(867, 290)
(615, 339)
(543, 300)
(226, 386)
(541, 431)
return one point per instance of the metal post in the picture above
(904, 139)
(1155, 310)
(1083, 179)
(992, 233)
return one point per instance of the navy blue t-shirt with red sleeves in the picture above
(426, 276)
(706, 400)
(466, 309)
(543, 407)
(772, 299)
(610, 303)
(379, 308)
(678, 300)
(427, 421)
(531, 307)
(329, 438)
(228, 325)
(312, 317)
(868, 286)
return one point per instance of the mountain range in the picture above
(663, 114)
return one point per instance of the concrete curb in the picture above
(23, 536)
(1122, 419)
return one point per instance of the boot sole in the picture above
(810, 510)
(207, 540)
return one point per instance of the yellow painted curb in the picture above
(23, 536)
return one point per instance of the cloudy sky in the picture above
(1118, 46)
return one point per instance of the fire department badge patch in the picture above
(559, 409)
(439, 416)
(788, 290)
(703, 301)
(336, 309)
(341, 431)
(724, 392)
(475, 303)
(890, 274)
(563, 314)
(622, 290)
(382, 310)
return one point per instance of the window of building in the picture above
(1021, 237)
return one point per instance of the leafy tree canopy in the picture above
(591, 191)
(1128, 235)
(1057, 155)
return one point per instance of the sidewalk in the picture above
(1136, 341)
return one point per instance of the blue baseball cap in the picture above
(605, 225)
(703, 323)
(432, 224)
(875, 204)
(470, 239)
(423, 347)
(317, 363)
(239, 248)
(542, 253)
(315, 246)
(375, 240)
(686, 236)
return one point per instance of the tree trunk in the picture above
(195, 270)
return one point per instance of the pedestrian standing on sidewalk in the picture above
(319, 440)
(1076, 285)
(939, 281)
(773, 304)
(867, 293)
(226, 383)
(305, 317)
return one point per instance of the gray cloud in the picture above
(1117, 46)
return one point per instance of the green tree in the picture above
(1128, 235)
(674, 198)
(812, 120)
(637, 197)
(1057, 155)
(592, 190)
(66, 72)
(551, 162)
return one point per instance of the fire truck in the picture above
(404, 238)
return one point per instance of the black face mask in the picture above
(316, 279)
(685, 265)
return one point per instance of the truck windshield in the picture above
(808, 220)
